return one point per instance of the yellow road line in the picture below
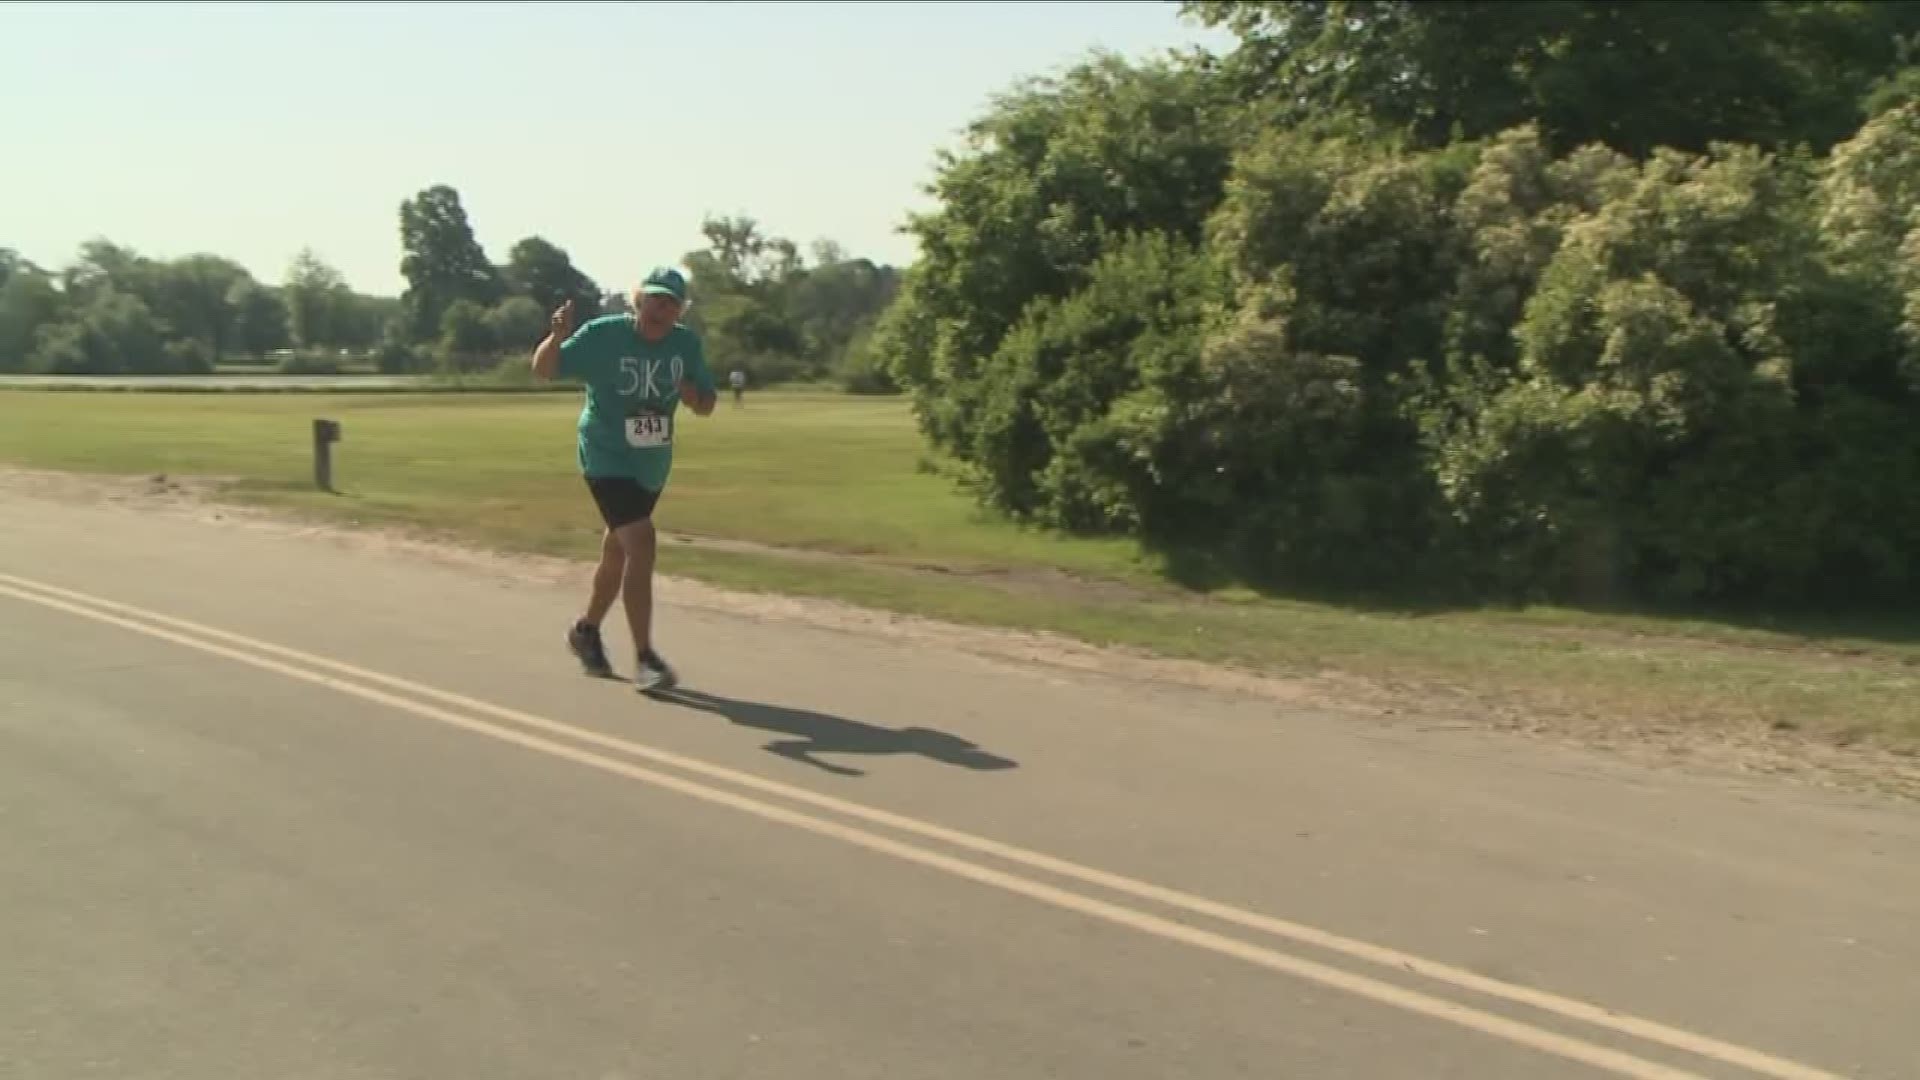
(1488, 1023)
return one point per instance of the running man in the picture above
(638, 370)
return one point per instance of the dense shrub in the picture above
(1348, 360)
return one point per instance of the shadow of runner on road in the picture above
(818, 733)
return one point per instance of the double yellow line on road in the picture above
(723, 786)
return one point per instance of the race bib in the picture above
(649, 430)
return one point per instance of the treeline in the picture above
(759, 303)
(114, 311)
(763, 307)
(1578, 300)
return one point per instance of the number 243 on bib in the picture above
(649, 429)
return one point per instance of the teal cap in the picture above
(665, 281)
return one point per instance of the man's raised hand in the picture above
(561, 326)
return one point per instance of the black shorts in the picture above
(621, 501)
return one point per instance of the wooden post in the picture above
(325, 434)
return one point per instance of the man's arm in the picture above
(700, 393)
(700, 401)
(546, 355)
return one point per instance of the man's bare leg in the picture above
(636, 582)
(636, 589)
(584, 637)
(606, 578)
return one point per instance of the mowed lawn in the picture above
(821, 471)
(842, 474)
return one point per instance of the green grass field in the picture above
(816, 471)
(837, 474)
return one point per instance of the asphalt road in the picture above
(275, 805)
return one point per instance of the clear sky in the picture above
(250, 130)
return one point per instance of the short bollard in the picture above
(325, 434)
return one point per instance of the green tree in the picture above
(1511, 217)
(192, 297)
(316, 297)
(1066, 415)
(1635, 76)
(364, 320)
(395, 354)
(828, 252)
(754, 335)
(441, 260)
(1870, 198)
(1352, 235)
(860, 369)
(539, 269)
(29, 300)
(835, 302)
(741, 251)
(1367, 353)
(744, 281)
(1900, 88)
(11, 263)
(104, 266)
(112, 333)
(1701, 390)
(1056, 174)
(260, 319)
(467, 341)
(764, 308)
(517, 322)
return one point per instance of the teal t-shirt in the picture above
(627, 426)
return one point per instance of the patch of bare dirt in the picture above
(1658, 741)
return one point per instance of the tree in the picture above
(538, 269)
(517, 323)
(835, 302)
(466, 340)
(260, 319)
(708, 279)
(737, 246)
(11, 263)
(442, 260)
(859, 370)
(828, 252)
(395, 354)
(1303, 335)
(753, 334)
(316, 298)
(28, 301)
(1058, 173)
(746, 282)
(104, 266)
(191, 296)
(1634, 76)
(112, 333)
(1869, 222)
(364, 320)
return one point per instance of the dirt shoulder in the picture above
(1764, 751)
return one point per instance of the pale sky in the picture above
(250, 130)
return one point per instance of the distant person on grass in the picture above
(638, 369)
(738, 379)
